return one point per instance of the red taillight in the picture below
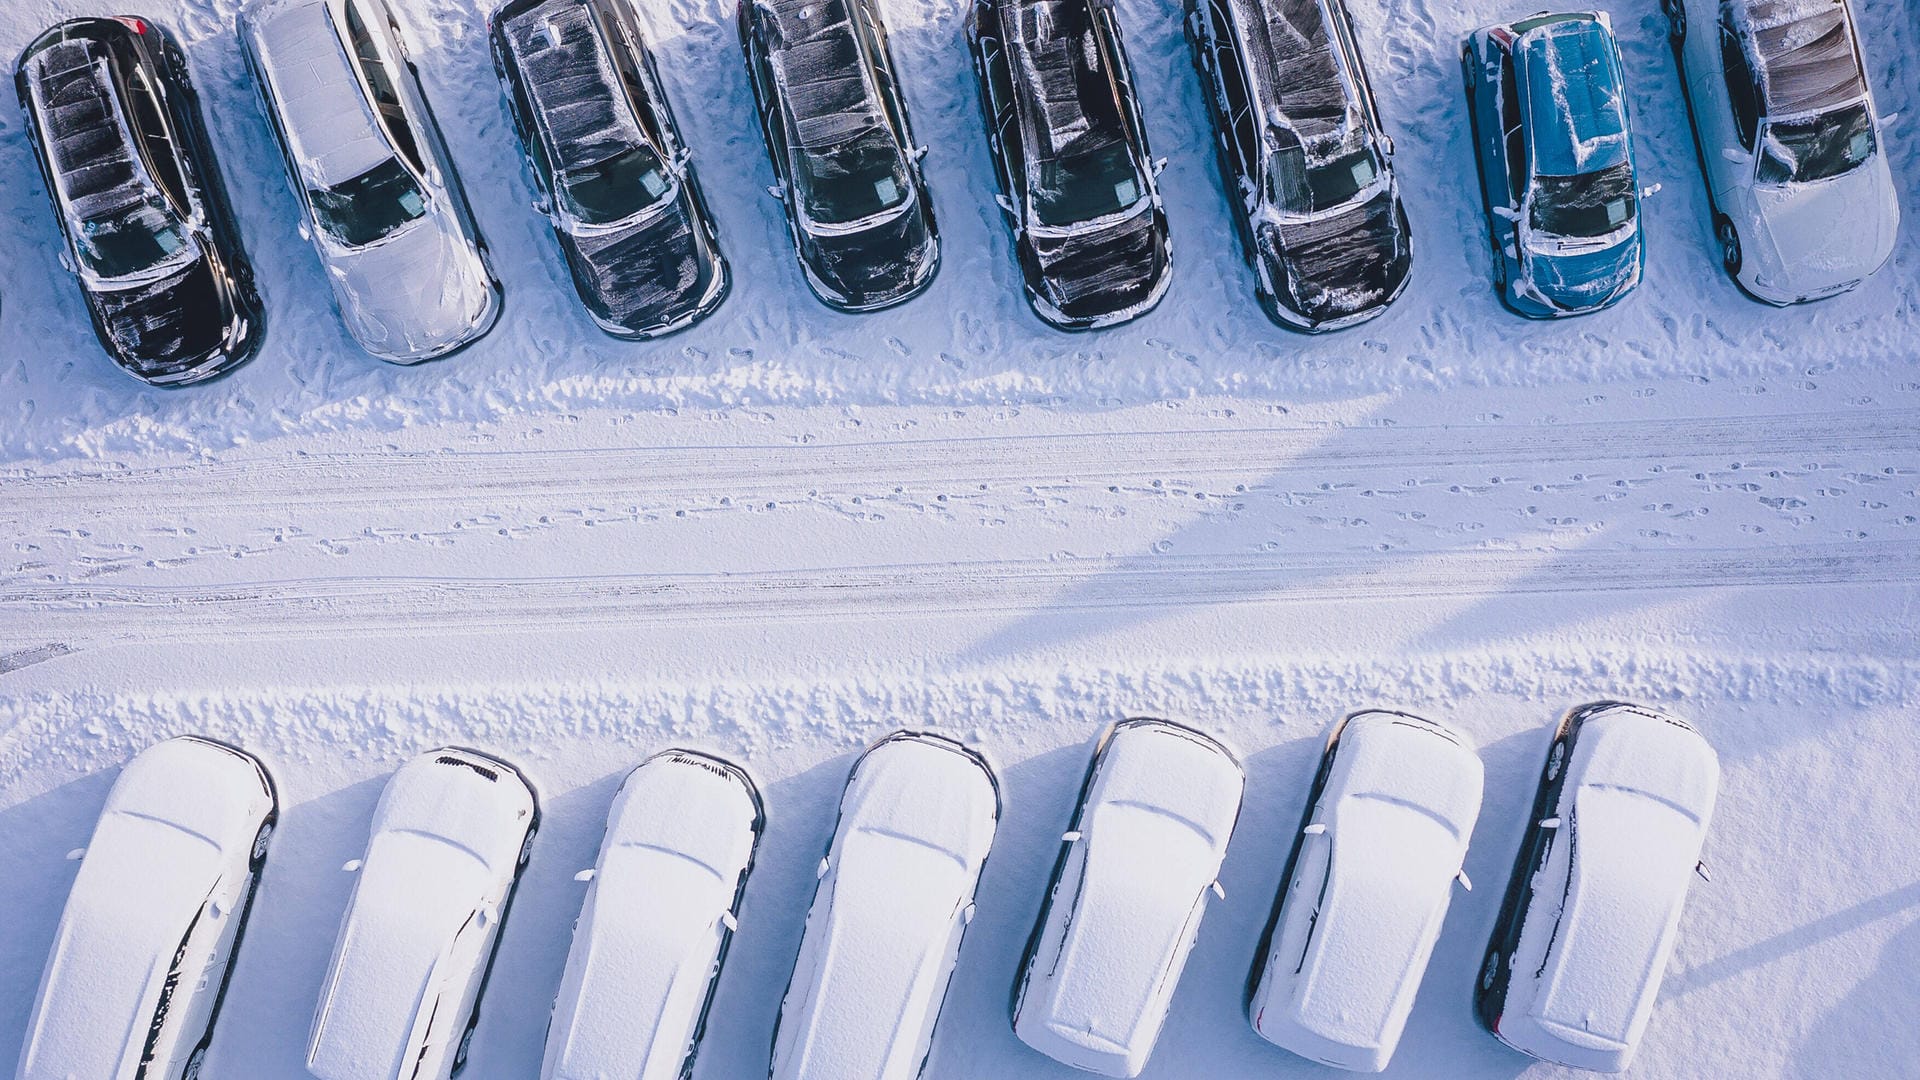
(138, 26)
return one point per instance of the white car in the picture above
(1796, 167)
(1366, 889)
(654, 929)
(894, 899)
(1124, 908)
(146, 944)
(369, 167)
(1594, 903)
(451, 834)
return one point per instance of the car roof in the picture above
(89, 146)
(1300, 82)
(180, 813)
(1802, 51)
(916, 823)
(1160, 809)
(330, 127)
(1574, 97)
(821, 68)
(679, 837)
(581, 111)
(1402, 797)
(1066, 100)
(1642, 788)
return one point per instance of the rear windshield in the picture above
(1587, 204)
(1088, 185)
(617, 188)
(1816, 148)
(857, 179)
(1302, 189)
(127, 242)
(370, 206)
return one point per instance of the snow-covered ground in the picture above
(788, 532)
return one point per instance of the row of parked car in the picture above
(157, 913)
(1803, 200)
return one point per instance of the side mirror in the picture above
(1159, 166)
(918, 153)
(778, 191)
(1005, 204)
(1735, 155)
(1386, 144)
(1507, 213)
(1889, 120)
(1650, 191)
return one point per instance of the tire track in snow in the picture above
(81, 615)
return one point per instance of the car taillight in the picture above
(138, 26)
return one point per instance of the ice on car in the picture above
(892, 904)
(1136, 867)
(451, 834)
(658, 917)
(1366, 889)
(1594, 904)
(154, 921)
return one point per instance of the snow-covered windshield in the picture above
(370, 206)
(1087, 185)
(1300, 188)
(1799, 151)
(617, 188)
(857, 179)
(139, 237)
(1588, 204)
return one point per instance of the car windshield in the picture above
(856, 179)
(1302, 189)
(372, 205)
(138, 238)
(617, 188)
(1816, 148)
(1586, 204)
(1088, 185)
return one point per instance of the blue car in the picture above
(1556, 162)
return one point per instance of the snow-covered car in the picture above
(1306, 164)
(893, 901)
(1129, 889)
(613, 176)
(370, 170)
(844, 161)
(1593, 907)
(1797, 176)
(658, 917)
(451, 834)
(1550, 130)
(1366, 888)
(154, 922)
(1078, 184)
(116, 126)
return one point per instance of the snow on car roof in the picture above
(88, 144)
(1302, 86)
(329, 125)
(917, 820)
(1404, 801)
(1801, 51)
(176, 813)
(1574, 90)
(680, 834)
(581, 112)
(1067, 99)
(1642, 790)
(819, 64)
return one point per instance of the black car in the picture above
(847, 167)
(1077, 180)
(1305, 163)
(133, 179)
(613, 175)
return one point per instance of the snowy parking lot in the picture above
(787, 532)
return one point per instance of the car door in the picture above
(1738, 116)
(1239, 133)
(1009, 155)
(760, 71)
(156, 142)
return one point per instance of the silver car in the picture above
(369, 166)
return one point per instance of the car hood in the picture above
(875, 266)
(1101, 270)
(1340, 265)
(647, 273)
(1809, 238)
(418, 293)
(164, 330)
